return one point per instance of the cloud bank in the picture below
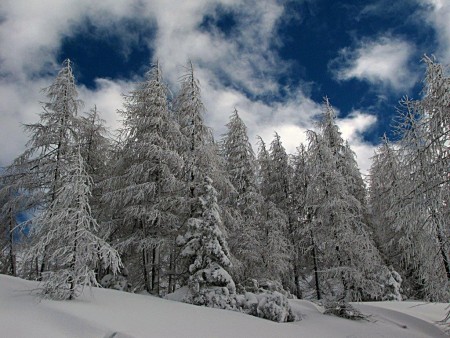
(237, 65)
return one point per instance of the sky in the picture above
(272, 60)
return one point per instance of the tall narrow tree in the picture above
(144, 190)
(68, 227)
(53, 138)
(201, 158)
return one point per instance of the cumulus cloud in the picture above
(237, 68)
(352, 128)
(437, 14)
(382, 62)
(107, 97)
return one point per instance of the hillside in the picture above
(108, 313)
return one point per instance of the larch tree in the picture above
(423, 127)
(240, 163)
(38, 170)
(143, 192)
(335, 232)
(384, 193)
(10, 204)
(67, 226)
(280, 187)
(274, 246)
(299, 214)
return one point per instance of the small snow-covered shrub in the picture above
(392, 286)
(116, 282)
(247, 303)
(344, 310)
(265, 299)
(271, 305)
(274, 306)
(214, 297)
(271, 285)
(212, 287)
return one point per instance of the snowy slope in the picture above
(107, 313)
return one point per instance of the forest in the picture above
(162, 206)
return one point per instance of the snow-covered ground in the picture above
(108, 313)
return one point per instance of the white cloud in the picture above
(234, 70)
(382, 62)
(108, 97)
(437, 14)
(352, 128)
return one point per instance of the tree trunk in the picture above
(316, 270)
(72, 268)
(444, 253)
(12, 256)
(298, 291)
(155, 270)
(145, 271)
(171, 287)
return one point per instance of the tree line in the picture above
(163, 205)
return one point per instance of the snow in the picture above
(110, 313)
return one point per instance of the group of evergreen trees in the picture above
(164, 205)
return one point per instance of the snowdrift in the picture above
(103, 313)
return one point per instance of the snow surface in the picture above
(106, 313)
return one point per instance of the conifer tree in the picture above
(38, 170)
(201, 157)
(239, 155)
(67, 226)
(209, 283)
(335, 232)
(240, 165)
(424, 230)
(143, 192)
(8, 224)
(299, 214)
(274, 247)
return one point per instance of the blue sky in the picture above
(272, 60)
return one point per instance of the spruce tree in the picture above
(204, 243)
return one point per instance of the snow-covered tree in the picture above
(8, 201)
(209, 283)
(96, 145)
(240, 164)
(201, 154)
(424, 229)
(143, 192)
(279, 192)
(334, 232)
(38, 170)
(384, 194)
(239, 155)
(298, 211)
(68, 227)
(274, 246)
(279, 183)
